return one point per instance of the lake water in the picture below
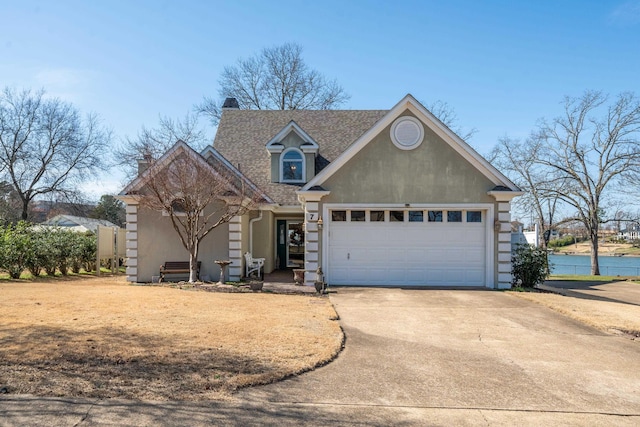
(609, 265)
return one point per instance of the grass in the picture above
(604, 249)
(84, 336)
(27, 276)
(603, 304)
(591, 278)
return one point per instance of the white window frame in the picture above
(302, 162)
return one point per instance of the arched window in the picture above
(292, 166)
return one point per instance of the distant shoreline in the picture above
(600, 254)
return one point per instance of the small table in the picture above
(223, 268)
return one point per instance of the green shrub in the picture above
(36, 255)
(14, 249)
(83, 252)
(529, 266)
(563, 241)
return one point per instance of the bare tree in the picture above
(448, 116)
(518, 161)
(197, 195)
(586, 152)
(275, 79)
(9, 204)
(46, 147)
(151, 143)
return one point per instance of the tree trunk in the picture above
(193, 261)
(25, 209)
(595, 266)
(193, 266)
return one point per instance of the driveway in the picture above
(414, 357)
(480, 357)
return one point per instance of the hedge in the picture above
(23, 247)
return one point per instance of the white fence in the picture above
(110, 245)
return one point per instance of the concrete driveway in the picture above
(476, 357)
(434, 357)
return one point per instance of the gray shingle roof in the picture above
(243, 134)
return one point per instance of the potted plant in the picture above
(256, 285)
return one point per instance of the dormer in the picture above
(293, 154)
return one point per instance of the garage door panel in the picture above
(396, 254)
(437, 235)
(416, 277)
(456, 276)
(436, 276)
(473, 277)
(396, 276)
(340, 275)
(474, 255)
(337, 255)
(377, 255)
(417, 255)
(397, 238)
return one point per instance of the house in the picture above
(43, 209)
(371, 198)
(632, 232)
(521, 237)
(77, 223)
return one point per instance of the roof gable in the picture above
(309, 145)
(425, 116)
(181, 148)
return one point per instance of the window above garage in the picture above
(407, 216)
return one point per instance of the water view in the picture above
(609, 265)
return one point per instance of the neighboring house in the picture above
(77, 223)
(632, 232)
(521, 237)
(373, 198)
(43, 209)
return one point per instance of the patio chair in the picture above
(253, 264)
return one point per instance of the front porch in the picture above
(281, 281)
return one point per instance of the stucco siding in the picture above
(263, 240)
(159, 242)
(432, 173)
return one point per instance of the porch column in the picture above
(502, 223)
(311, 245)
(235, 249)
(131, 242)
(504, 245)
(312, 242)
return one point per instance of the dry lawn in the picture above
(100, 337)
(607, 316)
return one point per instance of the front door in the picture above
(290, 244)
(295, 253)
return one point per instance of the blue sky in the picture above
(500, 64)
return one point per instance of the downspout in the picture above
(251, 221)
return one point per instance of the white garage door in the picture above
(436, 247)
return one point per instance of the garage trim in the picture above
(489, 227)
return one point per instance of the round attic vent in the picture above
(407, 133)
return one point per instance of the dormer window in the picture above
(292, 166)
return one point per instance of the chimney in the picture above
(230, 104)
(143, 165)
